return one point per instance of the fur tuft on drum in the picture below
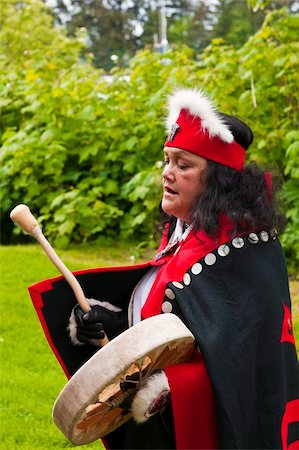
(90, 406)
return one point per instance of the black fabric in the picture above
(156, 433)
(171, 228)
(114, 286)
(234, 308)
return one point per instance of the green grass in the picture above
(31, 378)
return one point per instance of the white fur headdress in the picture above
(199, 106)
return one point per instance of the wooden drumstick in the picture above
(23, 217)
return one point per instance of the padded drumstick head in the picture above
(23, 217)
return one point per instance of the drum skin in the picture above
(88, 406)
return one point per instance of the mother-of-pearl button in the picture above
(187, 279)
(238, 242)
(223, 250)
(166, 307)
(169, 294)
(210, 259)
(264, 236)
(253, 238)
(178, 285)
(196, 268)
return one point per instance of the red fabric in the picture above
(291, 415)
(193, 138)
(193, 405)
(287, 333)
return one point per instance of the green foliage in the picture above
(70, 140)
(290, 196)
(257, 5)
(258, 83)
(117, 27)
(83, 150)
(120, 28)
(236, 22)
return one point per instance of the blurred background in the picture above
(83, 87)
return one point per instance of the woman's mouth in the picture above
(168, 191)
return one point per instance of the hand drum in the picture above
(88, 407)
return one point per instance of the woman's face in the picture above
(183, 181)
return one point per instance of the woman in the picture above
(221, 269)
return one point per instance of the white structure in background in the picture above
(163, 26)
(160, 39)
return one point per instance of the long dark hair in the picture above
(246, 198)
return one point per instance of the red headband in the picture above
(196, 128)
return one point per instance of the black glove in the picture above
(92, 326)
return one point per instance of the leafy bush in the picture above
(82, 149)
(73, 142)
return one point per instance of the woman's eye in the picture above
(182, 166)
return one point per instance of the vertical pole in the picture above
(163, 26)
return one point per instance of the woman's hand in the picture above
(103, 318)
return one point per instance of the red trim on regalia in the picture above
(46, 285)
(287, 332)
(38, 305)
(291, 415)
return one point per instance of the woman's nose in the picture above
(167, 171)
